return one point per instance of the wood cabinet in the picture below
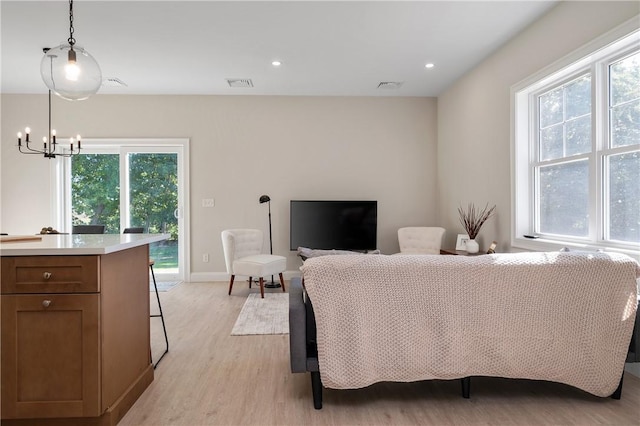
(50, 355)
(75, 337)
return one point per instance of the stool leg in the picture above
(282, 282)
(262, 287)
(164, 328)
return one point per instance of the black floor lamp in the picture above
(266, 199)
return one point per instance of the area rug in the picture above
(164, 285)
(263, 316)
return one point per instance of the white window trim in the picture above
(522, 183)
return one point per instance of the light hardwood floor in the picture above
(212, 378)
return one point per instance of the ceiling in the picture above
(337, 48)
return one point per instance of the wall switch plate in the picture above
(205, 257)
(208, 202)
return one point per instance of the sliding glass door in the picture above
(129, 186)
(95, 190)
(151, 202)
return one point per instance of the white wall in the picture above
(474, 113)
(242, 147)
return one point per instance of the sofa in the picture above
(356, 320)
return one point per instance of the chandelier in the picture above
(50, 145)
(69, 70)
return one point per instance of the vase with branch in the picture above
(472, 220)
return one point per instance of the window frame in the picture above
(593, 58)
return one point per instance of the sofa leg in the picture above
(316, 389)
(466, 386)
(617, 394)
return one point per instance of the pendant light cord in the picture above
(71, 40)
(50, 137)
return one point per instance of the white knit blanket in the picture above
(561, 317)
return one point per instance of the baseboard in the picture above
(201, 277)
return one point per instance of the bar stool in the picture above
(166, 339)
(155, 285)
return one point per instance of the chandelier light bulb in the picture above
(19, 135)
(27, 130)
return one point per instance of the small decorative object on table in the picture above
(461, 242)
(48, 230)
(472, 220)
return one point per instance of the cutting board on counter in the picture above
(19, 238)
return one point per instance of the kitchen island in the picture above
(75, 328)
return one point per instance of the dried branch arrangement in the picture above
(472, 219)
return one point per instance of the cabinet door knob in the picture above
(46, 303)
(46, 275)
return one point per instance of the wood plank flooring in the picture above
(212, 378)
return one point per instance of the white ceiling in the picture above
(338, 48)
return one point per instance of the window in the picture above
(576, 151)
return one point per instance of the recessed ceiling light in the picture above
(429, 65)
(276, 63)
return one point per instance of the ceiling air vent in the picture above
(113, 82)
(390, 85)
(240, 82)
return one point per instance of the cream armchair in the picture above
(420, 239)
(243, 256)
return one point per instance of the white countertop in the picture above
(88, 244)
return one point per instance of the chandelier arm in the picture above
(31, 151)
(35, 151)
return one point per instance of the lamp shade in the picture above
(71, 73)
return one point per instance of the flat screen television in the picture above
(334, 225)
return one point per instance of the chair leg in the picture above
(262, 287)
(466, 386)
(250, 279)
(617, 394)
(282, 282)
(164, 328)
(231, 284)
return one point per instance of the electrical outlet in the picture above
(208, 202)
(205, 257)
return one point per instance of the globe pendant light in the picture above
(69, 70)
